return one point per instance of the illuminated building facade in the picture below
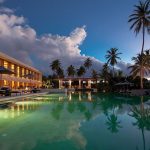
(20, 78)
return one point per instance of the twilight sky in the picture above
(39, 31)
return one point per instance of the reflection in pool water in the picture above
(76, 122)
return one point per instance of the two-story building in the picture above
(24, 75)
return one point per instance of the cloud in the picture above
(123, 66)
(2, 1)
(6, 10)
(21, 41)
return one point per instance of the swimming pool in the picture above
(76, 121)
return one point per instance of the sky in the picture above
(39, 31)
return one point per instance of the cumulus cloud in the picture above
(20, 41)
(123, 66)
(6, 10)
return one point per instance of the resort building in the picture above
(23, 75)
(78, 83)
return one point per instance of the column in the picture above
(89, 83)
(60, 84)
(69, 84)
(79, 84)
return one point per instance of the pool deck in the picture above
(4, 99)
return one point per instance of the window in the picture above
(13, 68)
(5, 64)
(18, 71)
(13, 84)
(5, 82)
(22, 72)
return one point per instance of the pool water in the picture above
(78, 121)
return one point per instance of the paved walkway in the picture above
(4, 99)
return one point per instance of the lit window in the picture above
(22, 71)
(13, 84)
(13, 68)
(18, 71)
(5, 64)
(5, 82)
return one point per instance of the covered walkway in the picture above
(78, 83)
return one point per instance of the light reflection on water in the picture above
(76, 121)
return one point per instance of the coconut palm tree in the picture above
(88, 63)
(105, 72)
(141, 67)
(112, 57)
(140, 19)
(81, 71)
(94, 74)
(71, 70)
(55, 65)
(60, 72)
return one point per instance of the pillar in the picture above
(60, 84)
(79, 84)
(69, 84)
(89, 83)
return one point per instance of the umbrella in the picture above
(4, 70)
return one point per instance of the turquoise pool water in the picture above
(76, 122)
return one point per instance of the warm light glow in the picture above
(5, 64)
(18, 71)
(148, 79)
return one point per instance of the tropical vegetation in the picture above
(112, 57)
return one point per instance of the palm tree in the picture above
(141, 66)
(140, 19)
(94, 74)
(60, 72)
(105, 72)
(88, 63)
(55, 65)
(71, 70)
(112, 56)
(81, 71)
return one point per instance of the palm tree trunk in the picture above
(143, 42)
(113, 71)
(142, 51)
(141, 77)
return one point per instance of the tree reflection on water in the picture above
(142, 116)
(113, 123)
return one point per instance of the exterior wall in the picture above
(18, 80)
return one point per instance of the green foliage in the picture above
(81, 71)
(112, 57)
(88, 63)
(71, 70)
